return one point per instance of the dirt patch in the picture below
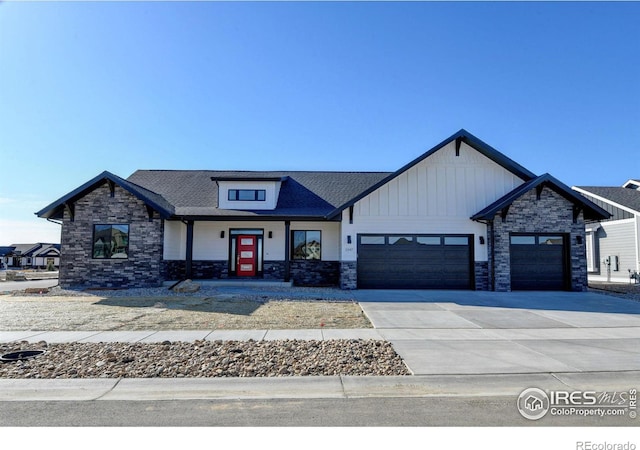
(174, 313)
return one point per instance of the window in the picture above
(307, 244)
(247, 195)
(111, 241)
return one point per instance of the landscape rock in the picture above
(207, 359)
(186, 287)
(16, 276)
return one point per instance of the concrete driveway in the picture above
(456, 332)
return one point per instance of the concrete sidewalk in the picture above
(149, 336)
(499, 385)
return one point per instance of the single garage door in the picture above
(415, 262)
(538, 262)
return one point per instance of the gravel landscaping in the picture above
(205, 359)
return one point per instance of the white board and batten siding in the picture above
(209, 246)
(436, 196)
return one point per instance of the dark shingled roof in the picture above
(6, 250)
(194, 193)
(622, 196)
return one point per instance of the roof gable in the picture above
(460, 137)
(56, 209)
(591, 210)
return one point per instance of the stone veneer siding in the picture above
(315, 273)
(174, 270)
(78, 268)
(303, 273)
(348, 275)
(552, 213)
(481, 275)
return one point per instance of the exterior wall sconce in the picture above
(349, 239)
(270, 234)
(222, 234)
(579, 240)
(481, 240)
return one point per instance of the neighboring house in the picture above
(4, 252)
(613, 245)
(37, 256)
(461, 216)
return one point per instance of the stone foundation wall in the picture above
(78, 268)
(303, 273)
(273, 270)
(348, 275)
(177, 270)
(481, 275)
(315, 273)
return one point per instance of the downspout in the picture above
(189, 249)
(287, 262)
(491, 256)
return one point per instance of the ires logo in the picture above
(534, 403)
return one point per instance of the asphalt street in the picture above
(358, 412)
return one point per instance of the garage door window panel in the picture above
(429, 240)
(372, 240)
(400, 240)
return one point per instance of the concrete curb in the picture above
(309, 387)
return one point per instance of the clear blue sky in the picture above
(119, 86)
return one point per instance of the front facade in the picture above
(461, 216)
(613, 244)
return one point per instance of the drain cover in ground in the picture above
(21, 355)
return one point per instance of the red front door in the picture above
(246, 259)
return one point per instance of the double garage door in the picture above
(415, 262)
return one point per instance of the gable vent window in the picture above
(247, 195)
